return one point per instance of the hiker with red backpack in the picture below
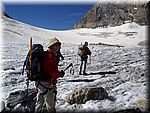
(47, 88)
(84, 51)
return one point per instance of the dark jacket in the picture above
(84, 51)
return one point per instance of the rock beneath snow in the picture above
(89, 93)
(19, 101)
(134, 110)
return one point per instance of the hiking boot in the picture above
(85, 73)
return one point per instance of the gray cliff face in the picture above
(103, 15)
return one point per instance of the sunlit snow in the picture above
(127, 56)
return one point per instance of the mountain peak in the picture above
(5, 14)
(113, 14)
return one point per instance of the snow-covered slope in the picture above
(129, 34)
(128, 86)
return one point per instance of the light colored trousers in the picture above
(45, 97)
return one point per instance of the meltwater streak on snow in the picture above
(128, 86)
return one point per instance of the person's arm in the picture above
(61, 56)
(88, 51)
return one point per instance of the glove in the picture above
(62, 73)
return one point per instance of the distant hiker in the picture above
(83, 53)
(47, 88)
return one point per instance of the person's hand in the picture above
(62, 73)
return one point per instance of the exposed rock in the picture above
(20, 101)
(103, 44)
(134, 110)
(9, 68)
(5, 14)
(84, 94)
(143, 43)
(111, 14)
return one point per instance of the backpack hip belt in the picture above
(47, 88)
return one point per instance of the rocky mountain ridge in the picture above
(5, 14)
(111, 14)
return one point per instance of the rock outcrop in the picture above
(111, 14)
(5, 14)
(20, 102)
(89, 93)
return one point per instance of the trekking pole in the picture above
(27, 83)
(68, 66)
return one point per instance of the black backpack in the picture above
(37, 72)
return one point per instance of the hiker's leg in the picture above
(84, 68)
(81, 63)
(50, 101)
(40, 96)
(39, 102)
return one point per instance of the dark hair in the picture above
(86, 42)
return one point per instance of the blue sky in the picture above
(48, 16)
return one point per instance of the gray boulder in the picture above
(89, 93)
